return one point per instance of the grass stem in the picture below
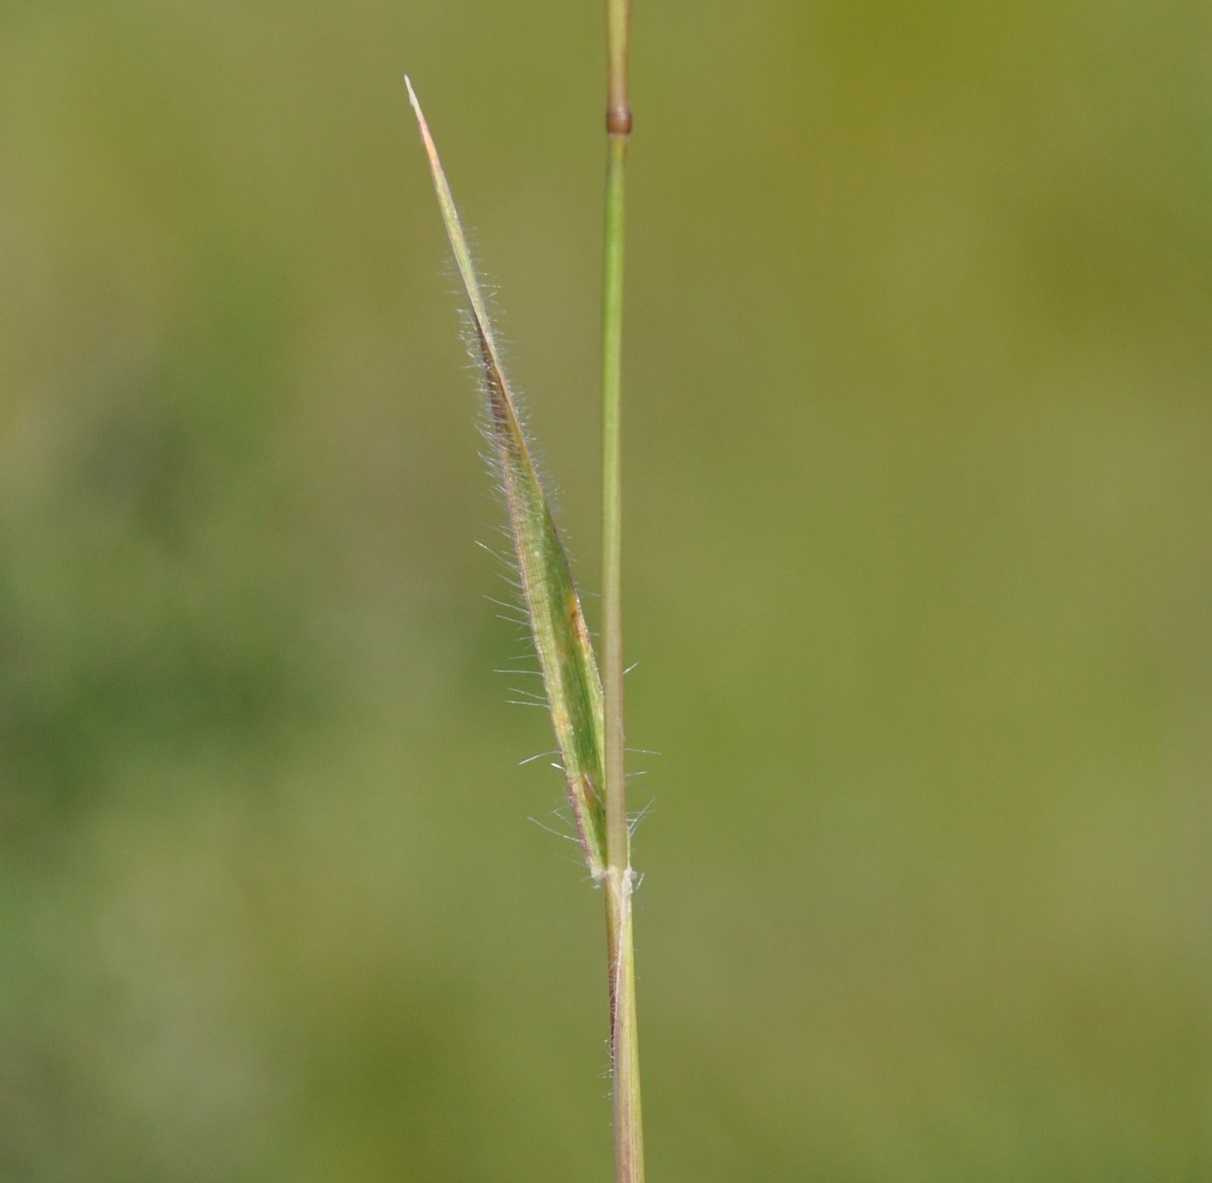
(586, 712)
(619, 879)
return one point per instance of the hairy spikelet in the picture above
(557, 625)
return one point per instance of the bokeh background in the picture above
(919, 576)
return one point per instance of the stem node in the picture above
(618, 121)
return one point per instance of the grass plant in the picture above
(586, 707)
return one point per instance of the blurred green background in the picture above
(919, 568)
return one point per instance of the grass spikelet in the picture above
(557, 625)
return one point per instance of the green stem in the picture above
(628, 1126)
(612, 505)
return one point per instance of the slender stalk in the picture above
(586, 713)
(628, 1125)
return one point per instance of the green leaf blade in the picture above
(557, 624)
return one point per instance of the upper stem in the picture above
(618, 30)
(612, 512)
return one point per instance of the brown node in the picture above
(618, 121)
